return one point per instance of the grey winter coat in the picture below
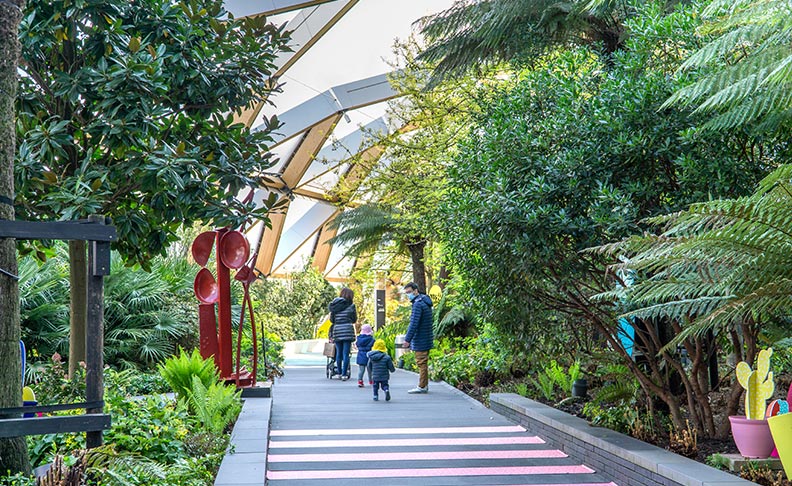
(381, 365)
(343, 316)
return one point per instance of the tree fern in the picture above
(364, 227)
(371, 227)
(746, 69)
(718, 264)
(472, 33)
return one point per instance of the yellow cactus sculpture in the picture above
(758, 384)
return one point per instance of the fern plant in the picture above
(747, 73)
(544, 384)
(179, 371)
(215, 406)
(471, 34)
(722, 264)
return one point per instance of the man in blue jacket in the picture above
(420, 335)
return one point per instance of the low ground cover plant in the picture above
(154, 439)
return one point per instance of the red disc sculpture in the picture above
(232, 252)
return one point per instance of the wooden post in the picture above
(98, 267)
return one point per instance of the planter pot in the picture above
(579, 387)
(781, 428)
(752, 437)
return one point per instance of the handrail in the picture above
(51, 408)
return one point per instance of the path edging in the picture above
(245, 462)
(623, 459)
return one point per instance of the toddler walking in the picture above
(381, 367)
(364, 343)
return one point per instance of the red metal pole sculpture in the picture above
(233, 251)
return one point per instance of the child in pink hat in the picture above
(364, 343)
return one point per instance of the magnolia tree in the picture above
(127, 109)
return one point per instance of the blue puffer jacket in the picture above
(381, 366)
(364, 343)
(420, 334)
(343, 315)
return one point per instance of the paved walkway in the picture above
(331, 432)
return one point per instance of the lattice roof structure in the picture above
(335, 90)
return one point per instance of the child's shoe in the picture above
(376, 398)
(360, 383)
(387, 396)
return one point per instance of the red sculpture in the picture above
(233, 252)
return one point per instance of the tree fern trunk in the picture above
(13, 452)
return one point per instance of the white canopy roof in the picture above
(335, 90)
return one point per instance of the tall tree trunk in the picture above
(13, 452)
(78, 278)
(418, 266)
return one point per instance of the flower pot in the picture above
(752, 437)
(781, 428)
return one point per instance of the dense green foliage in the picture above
(292, 308)
(127, 109)
(572, 156)
(147, 314)
(701, 270)
(153, 439)
(746, 75)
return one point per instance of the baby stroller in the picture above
(330, 367)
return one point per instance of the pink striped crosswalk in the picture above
(279, 444)
(427, 472)
(419, 456)
(397, 431)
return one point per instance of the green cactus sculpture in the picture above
(758, 384)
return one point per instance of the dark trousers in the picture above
(378, 384)
(342, 356)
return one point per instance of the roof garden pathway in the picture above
(325, 431)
